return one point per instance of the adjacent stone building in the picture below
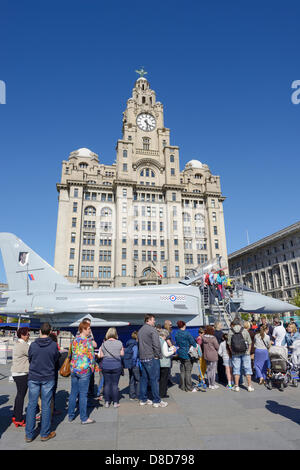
(140, 220)
(270, 265)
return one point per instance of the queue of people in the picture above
(148, 357)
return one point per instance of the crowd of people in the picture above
(223, 357)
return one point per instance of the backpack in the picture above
(128, 356)
(238, 343)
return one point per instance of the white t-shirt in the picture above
(279, 333)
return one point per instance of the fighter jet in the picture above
(38, 291)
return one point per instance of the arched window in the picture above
(90, 210)
(143, 98)
(106, 212)
(147, 172)
(124, 153)
(172, 158)
(199, 217)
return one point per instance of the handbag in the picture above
(65, 370)
(122, 366)
(193, 353)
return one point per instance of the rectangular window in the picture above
(74, 206)
(215, 230)
(173, 196)
(87, 271)
(143, 255)
(161, 226)
(72, 253)
(188, 258)
(71, 270)
(162, 255)
(176, 271)
(73, 237)
(214, 217)
(74, 220)
(75, 192)
(172, 171)
(217, 244)
(123, 253)
(165, 271)
(176, 255)
(176, 241)
(123, 269)
(135, 254)
(89, 239)
(124, 166)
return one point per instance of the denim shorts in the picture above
(239, 361)
(227, 362)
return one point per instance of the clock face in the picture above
(146, 122)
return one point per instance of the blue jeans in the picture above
(79, 386)
(134, 382)
(36, 388)
(111, 382)
(150, 373)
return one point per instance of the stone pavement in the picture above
(216, 419)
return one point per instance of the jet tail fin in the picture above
(26, 270)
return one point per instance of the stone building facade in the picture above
(271, 265)
(140, 220)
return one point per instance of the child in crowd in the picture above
(225, 353)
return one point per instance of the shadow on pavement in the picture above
(283, 410)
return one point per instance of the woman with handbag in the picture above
(165, 363)
(262, 343)
(111, 351)
(184, 341)
(82, 365)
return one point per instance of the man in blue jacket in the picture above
(43, 355)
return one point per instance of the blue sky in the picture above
(223, 71)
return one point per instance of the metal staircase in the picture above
(220, 311)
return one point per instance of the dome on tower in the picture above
(194, 164)
(83, 152)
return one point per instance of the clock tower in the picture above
(145, 140)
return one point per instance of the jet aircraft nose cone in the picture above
(254, 302)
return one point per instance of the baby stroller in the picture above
(295, 362)
(279, 373)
